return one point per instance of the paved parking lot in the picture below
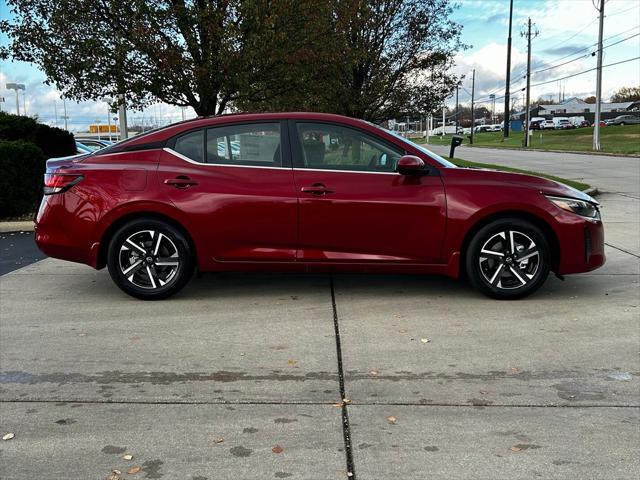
(243, 376)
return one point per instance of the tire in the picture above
(503, 274)
(150, 259)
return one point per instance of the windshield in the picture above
(437, 158)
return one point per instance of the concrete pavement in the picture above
(239, 375)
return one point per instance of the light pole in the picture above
(64, 106)
(108, 101)
(15, 87)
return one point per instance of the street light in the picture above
(108, 101)
(15, 87)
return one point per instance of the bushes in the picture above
(25, 144)
(54, 142)
(22, 165)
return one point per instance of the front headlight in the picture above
(573, 205)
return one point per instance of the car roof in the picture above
(164, 133)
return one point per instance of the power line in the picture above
(585, 71)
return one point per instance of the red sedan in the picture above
(307, 192)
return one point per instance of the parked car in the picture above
(576, 121)
(94, 143)
(536, 125)
(625, 120)
(609, 121)
(584, 123)
(307, 192)
(561, 123)
(82, 148)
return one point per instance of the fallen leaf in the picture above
(218, 440)
(117, 472)
(292, 362)
(133, 470)
(374, 372)
(82, 334)
(402, 330)
(8, 436)
(349, 474)
(425, 340)
(346, 400)
(114, 476)
(128, 456)
(277, 449)
(515, 449)
(483, 392)
(392, 420)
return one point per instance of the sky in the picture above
(564, 27)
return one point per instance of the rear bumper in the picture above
(63, 232)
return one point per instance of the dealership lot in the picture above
(239, 376)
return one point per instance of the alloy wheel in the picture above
(509, 260)
(149, 259)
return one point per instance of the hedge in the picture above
(54, 142)
(22, 165)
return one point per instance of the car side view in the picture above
(307, 192)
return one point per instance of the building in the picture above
(574, 106)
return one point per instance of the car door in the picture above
(234, 184)
(355, 207)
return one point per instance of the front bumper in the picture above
(581, 246)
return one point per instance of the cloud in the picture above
(567, 50)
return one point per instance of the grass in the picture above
(466, 163)
(572, 183)
(614, 139)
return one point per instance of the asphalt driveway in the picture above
(245, 376)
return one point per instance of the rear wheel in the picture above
(508, 259)
(150, 259)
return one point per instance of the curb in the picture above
(574, 152)
(6, 227)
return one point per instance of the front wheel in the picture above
(508, 259)
(150, 259)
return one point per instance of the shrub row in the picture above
(25, 145)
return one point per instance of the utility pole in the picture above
(55, 112)
(443, 120)
(457, 87)
(492, 97)
(596, 128)
(527, 113)
(507, 111)
(473, 92)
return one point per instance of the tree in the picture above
(590, 100)
(626, 94)
(543, 101)
(198, 53)
(387, 59)
(372, 59)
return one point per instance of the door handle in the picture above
(180, 182)
(317, 189)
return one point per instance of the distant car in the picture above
(608, 121)
(584, 123)
(94, 144)
(82, 148)
(561, 123)
(536, 125)
(625, 120)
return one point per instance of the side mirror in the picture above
(409, 164)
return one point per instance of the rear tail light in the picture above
(60, 182)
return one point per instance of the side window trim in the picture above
(297, 160)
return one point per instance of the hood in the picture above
(544, 185)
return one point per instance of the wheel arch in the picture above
(113, 227)
(538, 221)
